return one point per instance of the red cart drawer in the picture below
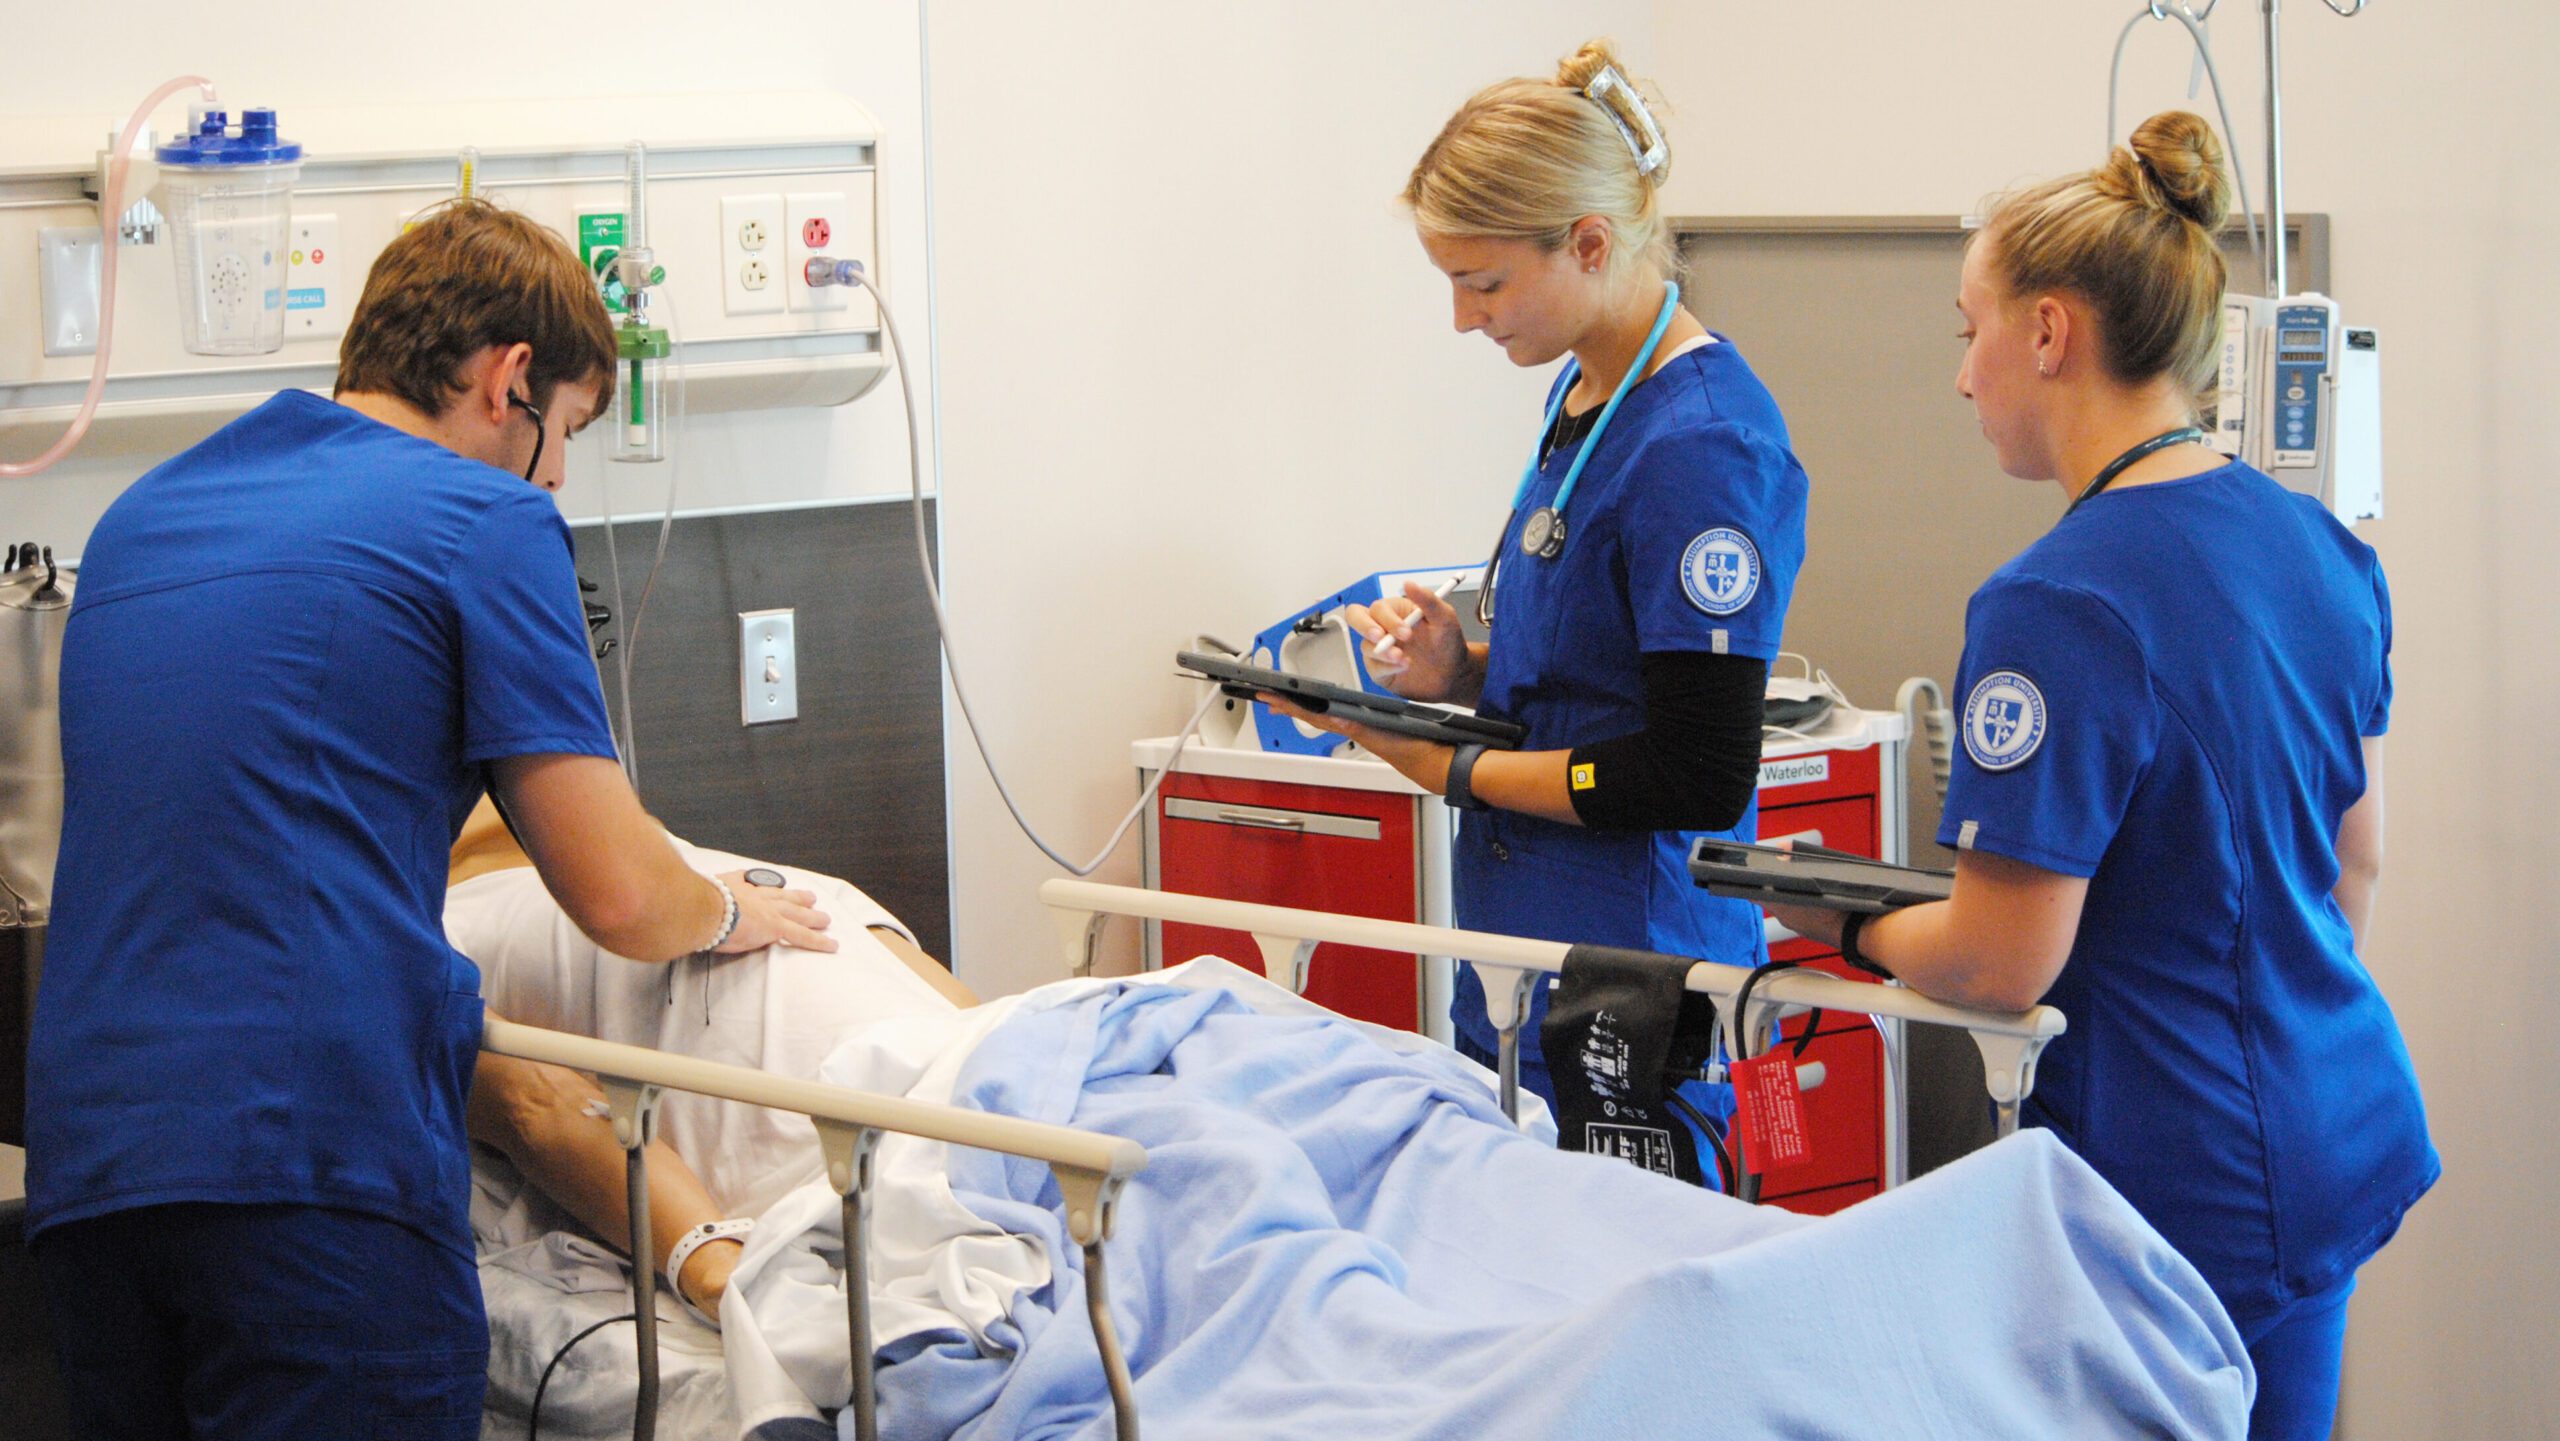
(1317, 848)
(1843, 825)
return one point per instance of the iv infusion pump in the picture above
(2300, 397)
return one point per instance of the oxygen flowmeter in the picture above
(640, 434)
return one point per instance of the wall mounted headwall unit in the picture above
(741, 190)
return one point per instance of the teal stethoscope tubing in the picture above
(1626, 382)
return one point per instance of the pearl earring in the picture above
(2040, 370)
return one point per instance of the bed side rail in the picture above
(2009, 1041)
(1090, 1170)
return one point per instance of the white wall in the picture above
(2425, 131)
(1197, 376)
(1197, 372)
(65, 61)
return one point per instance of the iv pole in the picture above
(2270, 13)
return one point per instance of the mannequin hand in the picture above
(767, 916)
(1425, 655)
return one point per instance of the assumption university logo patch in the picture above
(2004, 720)
(1721, 571)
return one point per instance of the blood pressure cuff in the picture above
(1622, 1031)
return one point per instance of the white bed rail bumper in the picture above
(2009, 1042)
(1090, 1170)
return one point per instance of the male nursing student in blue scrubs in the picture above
(1642, 579)
(2168, 806)
(297, 651)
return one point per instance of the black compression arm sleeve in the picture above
(1697, 760)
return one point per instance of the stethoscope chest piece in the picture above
(1542, 534)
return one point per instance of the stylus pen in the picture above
(1379, 651)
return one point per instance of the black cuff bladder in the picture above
(1621, 1033)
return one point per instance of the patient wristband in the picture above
(1458, 790)
(692, 1241)
(728, 917)
(1850, 925)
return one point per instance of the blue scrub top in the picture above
(1684, 534)
(2165, 695)
(292, 649)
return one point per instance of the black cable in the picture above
(1725, 1176)
(533, 1423)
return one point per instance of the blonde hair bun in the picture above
(1576, 72)
(2180, 167)
(1527, 159)
(2135, 238)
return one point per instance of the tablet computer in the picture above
(1386, 712)
(1813, 876)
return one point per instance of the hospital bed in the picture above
(1091, 1169)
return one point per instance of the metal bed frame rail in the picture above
(1510, 965)
(1090, 1169)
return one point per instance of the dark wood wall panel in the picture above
(852, 788)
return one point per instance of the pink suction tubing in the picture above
(111, 206)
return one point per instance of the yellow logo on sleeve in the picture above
(1583, 777)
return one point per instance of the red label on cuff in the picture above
(1768, 1118)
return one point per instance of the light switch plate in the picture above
(768, 667)
(69, 261)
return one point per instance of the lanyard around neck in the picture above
(1591, 442)
(2117, 466)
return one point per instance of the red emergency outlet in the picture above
(815, 232)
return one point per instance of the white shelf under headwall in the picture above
(711, 159)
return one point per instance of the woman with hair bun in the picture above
(2168, 806)
(1642, 578)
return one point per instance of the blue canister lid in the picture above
(213, 143)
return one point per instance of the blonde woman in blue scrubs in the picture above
(1642, 576)
(2167, 808)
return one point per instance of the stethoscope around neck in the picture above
(1542, 535)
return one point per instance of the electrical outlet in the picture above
(748, 261)
(315, 303)
(814, 225)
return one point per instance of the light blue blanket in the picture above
(1335, 1242)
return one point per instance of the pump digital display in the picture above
(2303, 339)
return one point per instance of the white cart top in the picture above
(1354, 769)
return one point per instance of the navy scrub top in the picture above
(2166, 695)
(292, 649)
(1684, 534)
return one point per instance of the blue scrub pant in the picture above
(2298, 1360)
(260, 1321)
